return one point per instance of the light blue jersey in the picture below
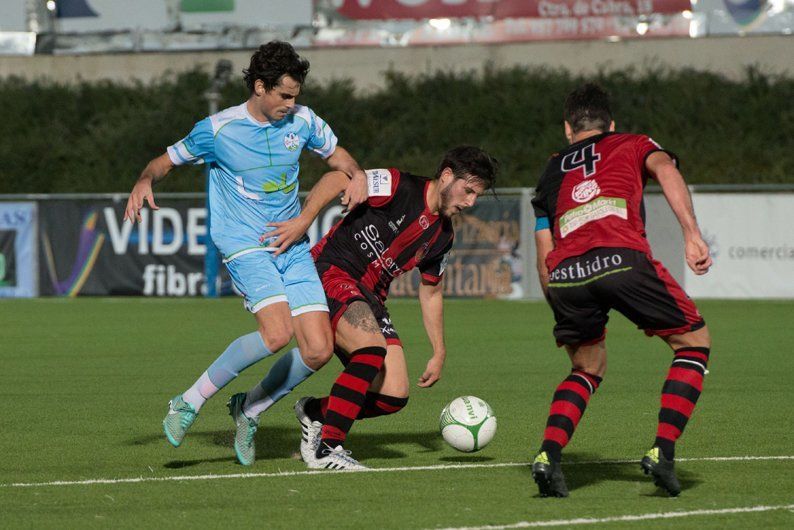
(253, 170)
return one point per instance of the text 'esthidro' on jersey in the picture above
(591, 192)
(253, 170)
(393, 232)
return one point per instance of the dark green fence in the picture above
(96, 137)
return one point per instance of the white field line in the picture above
(629, 518)
(442, 467)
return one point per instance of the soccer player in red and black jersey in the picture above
(593, 256)
(405, 223)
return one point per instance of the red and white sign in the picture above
(501, 9)
(511, 30)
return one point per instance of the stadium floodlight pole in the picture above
(212, 259)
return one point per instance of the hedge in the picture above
(96, 137)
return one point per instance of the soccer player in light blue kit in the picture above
(253, 151)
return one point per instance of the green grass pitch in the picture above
(85, 384)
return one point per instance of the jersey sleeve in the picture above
(433, 271)
(198, 147)
(382, 186)
(540, 199)
(322, 139)
(646, 146)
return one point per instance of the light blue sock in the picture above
(239, 355)
(287, 373)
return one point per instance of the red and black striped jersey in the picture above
(390, 234)
(591, 193)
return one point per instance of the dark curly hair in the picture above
(466, 160)
(272, 61)
(587, 109)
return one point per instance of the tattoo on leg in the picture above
(360, 316)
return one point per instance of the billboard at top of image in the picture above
(729, 17)
(500, 9)
(12, 16)
(85, 16)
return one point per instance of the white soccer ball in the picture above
(468, 424)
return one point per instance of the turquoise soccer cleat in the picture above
(245, 430)
(180, 417)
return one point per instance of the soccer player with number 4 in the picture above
(593, 256)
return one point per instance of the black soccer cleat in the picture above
(654, 463)
(548, 476)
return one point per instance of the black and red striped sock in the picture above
(680, 393)
(381, 405)
(375, 405)
(567, 407)
(348, 395)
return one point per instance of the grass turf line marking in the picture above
(629, 518)
(442, 467)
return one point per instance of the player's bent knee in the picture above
(396, 388)
(700, 338)
(595, 368)
(276, 337)
(317, 358)
(317, 348)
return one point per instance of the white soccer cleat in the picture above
(336, 459)
(310, 431)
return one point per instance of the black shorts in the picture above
(341, 290)
(583, 289)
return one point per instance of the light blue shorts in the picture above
(264, 279)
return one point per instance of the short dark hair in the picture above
(587, 109)
(467, 160)
(271, 62)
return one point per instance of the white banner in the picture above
(752, 243)
(19, 269)
(78, 16)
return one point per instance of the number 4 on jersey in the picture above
(585, 156)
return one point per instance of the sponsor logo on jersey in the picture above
(423, 222)
(292, 141)
(594, 210)
(273, 187)
(585, 267)
(400, 220)
(585, 191)
(378, 182)
(349, 288)
(393, 227)
(373, 248)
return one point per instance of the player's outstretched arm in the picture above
(544, 243)
(431, 300)
(662, 168)
(154, 171)
(327, 189)
(356, 191)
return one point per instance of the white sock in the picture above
(256, 403)
(200, 392)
